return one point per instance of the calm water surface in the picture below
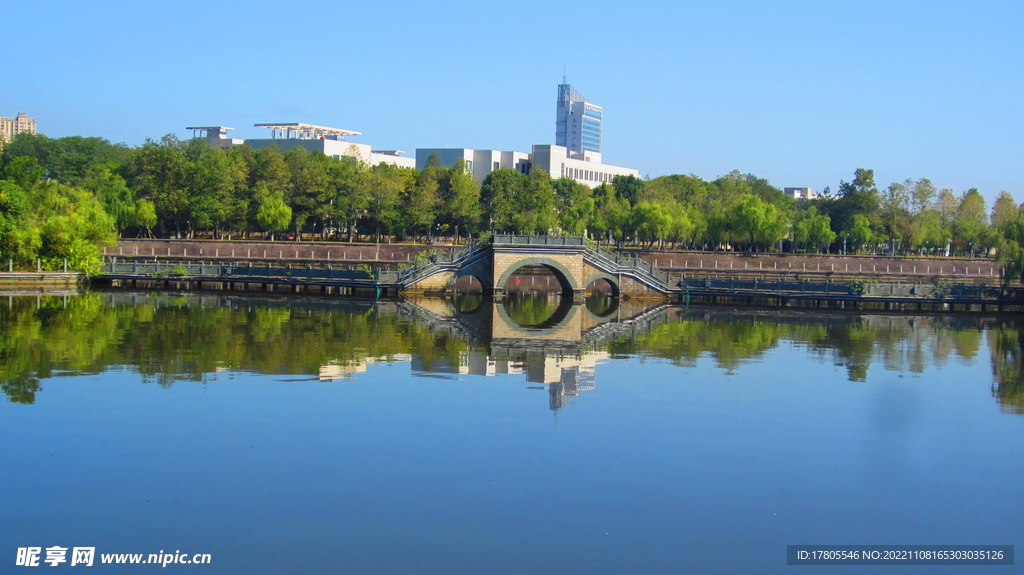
(463, 436)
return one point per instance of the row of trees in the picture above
(181, 188)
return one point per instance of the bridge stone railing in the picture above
(515, 240)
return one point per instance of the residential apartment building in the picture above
(21, 124)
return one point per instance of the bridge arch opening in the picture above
(602, 284)
(535, 313)
(537, 274)
(467, 302)
(467, 283)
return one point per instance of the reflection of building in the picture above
(566, 375)
(328, 141)
(346, 369)
(21, 124)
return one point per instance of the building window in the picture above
(496, 165)
(469, 166)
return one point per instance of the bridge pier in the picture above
(578, 296)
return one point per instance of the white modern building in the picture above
(800, 193)
(553, 159)
(328, 141)
(575, 154)
(480, 163)
(578, 124)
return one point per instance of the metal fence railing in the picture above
(628, 264)
(438, 261)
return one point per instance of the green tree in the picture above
(651, 222)
(927, 231)
(462, 199)
(1004, 211)
(629, 188)
(115, 195)
(384, 185)
(420, 208)
(501, 193)
(575, 205)
(922, 194)
(535, 210)
(856, 198)
(971, 221)
(24, 171)
(157, 171)
(273, 214)
(72, 225)
(145, 216)
(895, 211)
(19, 239)
(860, 232)
(69, 159)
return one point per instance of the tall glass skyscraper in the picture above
(578, 124)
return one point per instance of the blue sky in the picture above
(801, 93)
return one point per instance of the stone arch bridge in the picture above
(575, 265)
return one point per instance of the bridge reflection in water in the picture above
(542, 336)
(208, 337)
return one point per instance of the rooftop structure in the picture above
(307, 131)
(216, 136)
(209, 131)
(328, 141)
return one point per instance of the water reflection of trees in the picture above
(173, 341)
(903, 343)
(165, 343)
(1006, 344)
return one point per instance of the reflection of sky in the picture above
(391, 472)
(663, 469)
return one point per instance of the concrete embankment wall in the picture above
(39, 281)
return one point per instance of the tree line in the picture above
(60, 196)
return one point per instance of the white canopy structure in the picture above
(306, 131)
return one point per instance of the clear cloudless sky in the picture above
(799, 92)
